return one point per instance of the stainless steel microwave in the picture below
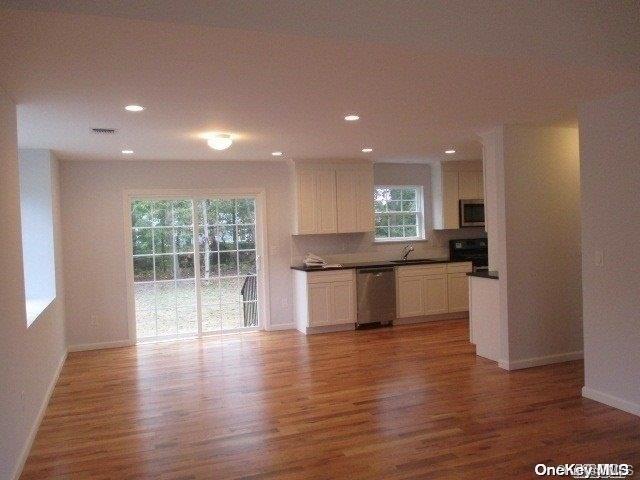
(472, 213)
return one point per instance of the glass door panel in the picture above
(228, 261)
(194, 266)
(163, 270)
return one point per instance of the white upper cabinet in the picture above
(451, 182)
(480, 185)
(315, 201)
(307, 201)
(334, 198)
(471, 185)
(450, 197)
(355, 199)
(467, 185)
(326, 208)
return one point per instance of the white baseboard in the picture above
(612, 401)
(99, 346)
(539, 361)
(36, 425)
(286, 326)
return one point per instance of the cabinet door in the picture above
(343, 303)
(458, 291)
(326, 201)
(364, 199)
(409, 295)
(347, 201)
(480, 177)
(468, 186)
(435, 294)
(450, 204)
(306, 191)
(319, 304)
(354, 192)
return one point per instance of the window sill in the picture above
(36, 307)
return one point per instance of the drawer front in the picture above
(331, 276)
(421, 270)
(459, 267)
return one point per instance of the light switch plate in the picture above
(599, 258)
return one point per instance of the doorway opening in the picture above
(195, 266)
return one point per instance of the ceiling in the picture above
(281, 75)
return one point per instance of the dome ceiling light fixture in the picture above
(220, 141)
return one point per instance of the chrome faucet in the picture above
(408, 248)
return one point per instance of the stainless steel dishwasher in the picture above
(376, 296)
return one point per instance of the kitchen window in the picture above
(398, 213)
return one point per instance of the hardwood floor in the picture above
(410, 402)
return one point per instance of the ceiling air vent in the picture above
(104, 131)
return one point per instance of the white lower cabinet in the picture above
(458, 289)
(410, 296)
(423, 290)
(320, 304)
(324, 300)
(343, 302)
(435, 294)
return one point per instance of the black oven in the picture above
(472, 213)
(474, 250)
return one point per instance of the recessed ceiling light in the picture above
(220, 141)
(127, 152)
(134, 108)
(367, 150)
(450, 152)
(352, 117)
(276, 154)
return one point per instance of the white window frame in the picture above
(264, 320)
(421, 223)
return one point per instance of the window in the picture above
(36, 211)
(398, 212)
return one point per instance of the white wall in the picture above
(610, 174)
(534, 195)
(493, 173)
(361, 246)
(542, 208)
(94, 236)
(94, 246)
(30, 358)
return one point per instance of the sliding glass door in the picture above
(195, 266)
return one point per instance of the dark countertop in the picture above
(381, 263)
(484, 274)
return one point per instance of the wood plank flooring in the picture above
(409, 402)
